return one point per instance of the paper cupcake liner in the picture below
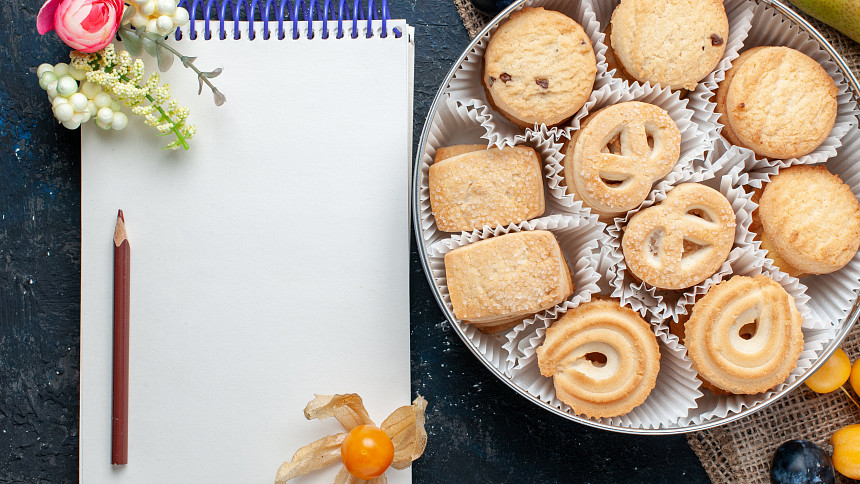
(773, 29)
(455, 124)
(664, 303)
(711, 406)
(451, 125)
(466, 87)
(741, 164)
(750, 261)
(832, 295)
(693, 142)
(672, 398)
(739, 13)
(579, 238)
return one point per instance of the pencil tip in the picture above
(120, 216)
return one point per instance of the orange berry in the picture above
(367, 452)
(855, 377)
(846, 451)
(832, 374)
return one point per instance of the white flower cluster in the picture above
(156, 16)
(75, 102)
(122, 76)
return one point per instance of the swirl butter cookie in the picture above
(683, 240)
(603, 359)
(780, 103)
(497, 282)
(674, 43)
(744, 336)
(810, 218)
(539, 67)
(618, 153)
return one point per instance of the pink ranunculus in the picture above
(85, 25)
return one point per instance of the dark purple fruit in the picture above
(801, 462)
(491, 7)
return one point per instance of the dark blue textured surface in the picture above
(480, 431)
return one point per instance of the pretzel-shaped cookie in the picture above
(619, 152)
(744, 335)
(682, 241)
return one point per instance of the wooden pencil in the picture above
(121, 294)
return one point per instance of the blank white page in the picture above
(268, 263)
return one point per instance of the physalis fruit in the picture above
(832, 374)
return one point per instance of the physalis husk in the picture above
(405, 428)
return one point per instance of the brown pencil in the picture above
(121, 293)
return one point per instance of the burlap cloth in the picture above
(741, 451)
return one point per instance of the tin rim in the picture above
(850, 320)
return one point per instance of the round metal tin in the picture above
(849, 322)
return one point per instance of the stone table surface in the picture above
(479, 430)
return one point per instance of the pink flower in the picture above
(84, 25)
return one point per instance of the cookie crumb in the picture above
(544, 83)
(716, 39)
(505, 77)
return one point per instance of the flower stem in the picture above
(187, 63)
(850, 397)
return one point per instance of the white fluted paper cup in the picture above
(455, 124)
(693, 141)
(664, 303)
(773, 30)
(579, 238)
(466, 86)
(833, 295)
(711, 406)
(672, 398)
(739, 14)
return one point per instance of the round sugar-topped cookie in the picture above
(781, 103)
(674, 43)
(811, 218)
(722, 92)
(539, 67)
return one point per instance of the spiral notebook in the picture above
(269, 262)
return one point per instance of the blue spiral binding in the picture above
(284, 10)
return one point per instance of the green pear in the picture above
(842, 15)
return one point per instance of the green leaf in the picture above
(219, 97)
(148, 45)
(131, 41)
(164, 58)
(127, 15)
(214, 73)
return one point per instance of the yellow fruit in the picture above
(832, 374)
(855, 377)
(846, 451)
(843, 15)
